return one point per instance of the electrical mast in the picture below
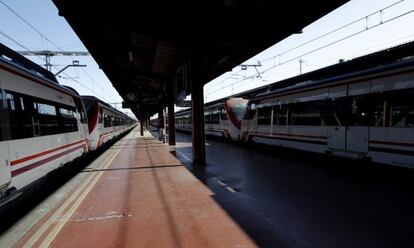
(49, 54)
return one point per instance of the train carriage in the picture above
(221, 119)
(43, 124)
(366, 114)
(104, 122)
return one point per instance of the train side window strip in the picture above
(32, 117)
(3, 120)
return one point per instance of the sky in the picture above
(357, 28)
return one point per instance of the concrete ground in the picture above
(285, 198)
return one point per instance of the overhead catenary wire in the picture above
(316, 49)
(317, 38)
(380, 11)
(333, 31)
(55, 45)
(24, 47)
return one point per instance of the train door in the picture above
(336, 106)
(5, 172)
(336, 137)
(359, 105)
(357, 139)
(358, 130)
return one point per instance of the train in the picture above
(222, 118)
(45, 125)
(365, 114)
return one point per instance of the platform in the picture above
(137, 194)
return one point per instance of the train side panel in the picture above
(356, 119)
(43, 127)
(105, 123)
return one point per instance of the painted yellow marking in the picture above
(184, 156)
(84, 187)
(221, 183)
(33, 239)
(230, 189)
(52, 235)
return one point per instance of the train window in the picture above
(108, 120)
(2, 117)
(401, 108)
(378, 115)
(215, 117)
(341, 111)
(13, 116)
(250, 112)
(20, 122)
(264, 116)
(280, 114)
(26, 117)
(187, 119)
(32, 117)
(46, 109)
(402, 116)
(21, 103)
(328, 115)
(100, 116)
(69, 121)
(307, 114)
(365, 111)
(10, 101)
(48, 119)
(207, 118)
(223, 114)
(80, 110)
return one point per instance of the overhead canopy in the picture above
(146, 48)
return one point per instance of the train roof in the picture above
(207, 105)
(404, 63)
(11, 57)
(373, 60)
(387, 59)
(182, 111)
(379, 60)
(105, 104)
(17, 64)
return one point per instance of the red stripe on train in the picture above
(18, 161)
(44, 161)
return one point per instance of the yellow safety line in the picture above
(80, 191)
(52, 235)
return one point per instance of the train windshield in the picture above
(235, 108)
(90, 106)
(238, 110)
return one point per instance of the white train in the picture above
(365, 114)
(43, 124)
(221, 119)
(104, 122)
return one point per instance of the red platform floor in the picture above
(137, 194)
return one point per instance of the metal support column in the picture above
(142, 127)
(161, 124)
(171, 125)
(197, 102)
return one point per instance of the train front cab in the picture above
(104, 122)
(224, 119)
